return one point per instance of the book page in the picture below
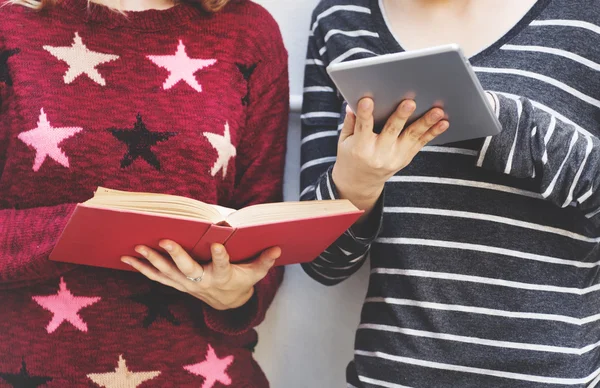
(288, 211)
(159, 204)
(224, 211)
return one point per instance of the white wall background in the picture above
(308, 336)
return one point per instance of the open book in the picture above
(112, 223)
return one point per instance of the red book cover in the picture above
(100, 236)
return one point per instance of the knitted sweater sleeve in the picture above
(260, 166)
(27, 236)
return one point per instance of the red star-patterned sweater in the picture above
(176, 101)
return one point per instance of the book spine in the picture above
(214, 234)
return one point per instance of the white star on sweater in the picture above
(81, 60)
(225, 150)
(181, 67)
(122, 377)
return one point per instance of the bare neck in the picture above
(136, 5)
(473, 24)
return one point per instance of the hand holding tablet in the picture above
(434, 77)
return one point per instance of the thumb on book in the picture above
(265, 261)
(220, 257)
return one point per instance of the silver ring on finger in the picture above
(199, 278)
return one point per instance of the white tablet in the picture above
(439, 76)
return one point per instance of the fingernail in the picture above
(407, 107)
(169, 247)
(436, 115)
(218, 249)
(142, 251)
(126, 261)
(365, 104)
(348, 109)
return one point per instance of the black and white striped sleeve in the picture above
(348, 253)
(320, 129)
(320, 118)
(561, 155)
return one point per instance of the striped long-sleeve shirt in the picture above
(485, 268)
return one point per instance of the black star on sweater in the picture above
(247, 72)
(23, 379)
(139, 142)
(158, 305)
(246, 99)
(252, 345)
(4, 74)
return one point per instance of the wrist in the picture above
(231, 303)
(354, 192)
(245, 298)
(222, 300)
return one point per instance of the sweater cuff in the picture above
(370, 229)
(242, 319)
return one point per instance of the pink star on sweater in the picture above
(46, 140)
(182, 67)
(65, 307)
(212, 369)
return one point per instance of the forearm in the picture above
(348, 253)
